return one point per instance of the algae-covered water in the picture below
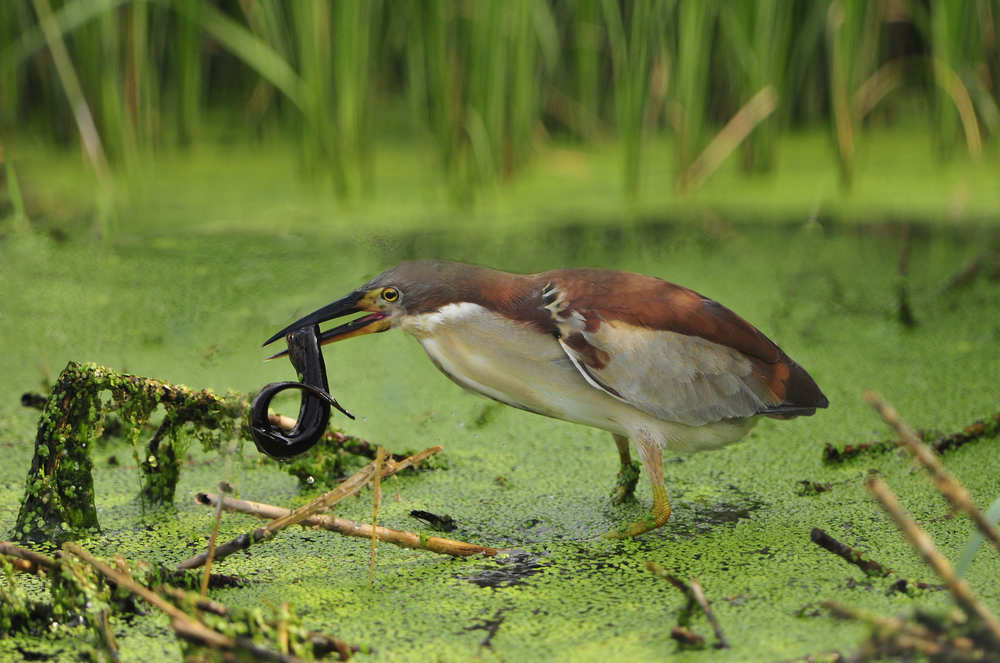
(192, 306)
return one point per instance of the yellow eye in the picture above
(390, 294)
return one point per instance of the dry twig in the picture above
(950, 487)
(376, 502)
(353, 528)
(977, 429)
(349, 487)
(224, 488)
(183, 624)
(32, 561)
(848, 554)
(702, 600)
(923, 544)
(696, 596)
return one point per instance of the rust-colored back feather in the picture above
(657, 304)
(604, 296)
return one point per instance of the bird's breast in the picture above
(515, 363)
(512, 362)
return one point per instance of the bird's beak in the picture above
(356, 302)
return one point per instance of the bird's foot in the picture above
(659, 515)
(628, 476)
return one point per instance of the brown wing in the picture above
(671, 352)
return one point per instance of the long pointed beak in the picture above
(352, 303)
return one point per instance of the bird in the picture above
(634, 355)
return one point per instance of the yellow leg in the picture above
(652, 460)
(628, 473)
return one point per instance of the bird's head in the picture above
(409, 288)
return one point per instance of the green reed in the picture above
(490, 81)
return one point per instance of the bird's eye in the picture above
(390, 294)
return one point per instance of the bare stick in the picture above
(325, 642)
(950, 487)
(923, 544)
(203, 604)
(699, 596)
(349, 487)
(183, 624)
(352, 528)
(376, 501)
(847, 553)
(205, 634)
(108, 635)
(211, 543)
(34, 561)
(687, 637)
(906, 635)
(189, 631)
(695, 595)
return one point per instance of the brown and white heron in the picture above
(633, 355)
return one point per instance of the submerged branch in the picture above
(848, 554)
(977, 429)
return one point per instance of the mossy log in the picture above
(58, 502)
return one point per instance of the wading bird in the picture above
(633, 355)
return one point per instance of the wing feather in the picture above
(671, 376)
(670, 351)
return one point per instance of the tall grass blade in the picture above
(694, 48)
(20, 220)
(976, 540)
(758, 36)
(753, 113)
(852, 42)
(586, 57)
(631, 50)
(187, 56)
(251, 50)
(89, 135)
(81, 111)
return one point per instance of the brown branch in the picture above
(696, 596)
(178, 616)
(353, 528)
(977, 429)
(376, 502)
(34, 561)
(950, 487)
(907, 636)
(200, 602)
(349, 487)
(687, 637)
(848, 554)
(923, 544)
(224, 487)
(183, 624)
(701, 600)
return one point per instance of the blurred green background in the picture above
(180, 178)
(590, 107)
